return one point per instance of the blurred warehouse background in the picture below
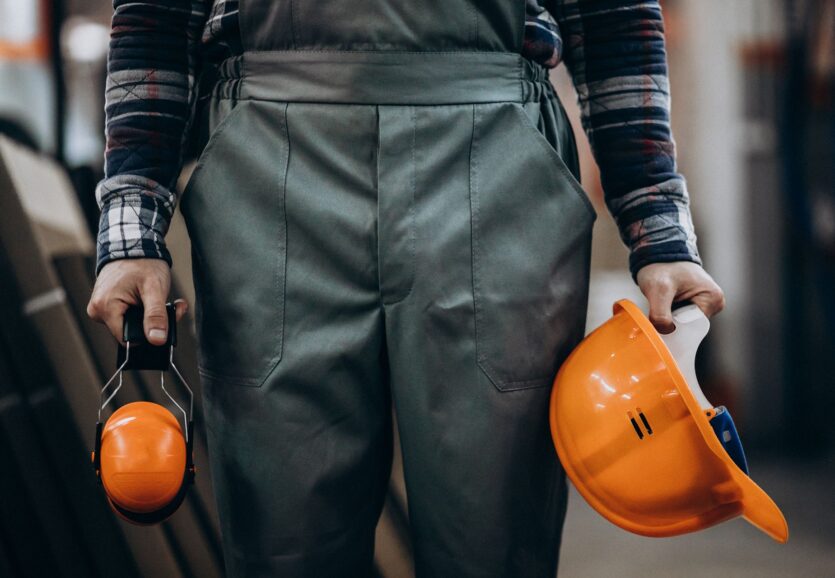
(752, 85)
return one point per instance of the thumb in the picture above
(660, 298)
(155, 321)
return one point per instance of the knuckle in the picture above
(156, 314)
(112, 308)
(97, 307)
(154, 282)
(661, 284)
(715, 292)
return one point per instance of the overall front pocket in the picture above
(531, 227)
(233, 207)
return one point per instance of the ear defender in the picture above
(143, 455)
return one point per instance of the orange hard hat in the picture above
(143, 462)
(640, 441)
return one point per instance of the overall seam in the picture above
(241, 24)
(411, 212)
(377, 150)
(474, 13)
(286, 127)
(293, 23)
(473, 232)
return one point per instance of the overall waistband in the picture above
(377, 77)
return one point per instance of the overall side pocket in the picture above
(531, 249)
(235, 218)
(556, 159)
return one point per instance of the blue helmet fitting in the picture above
(724, 428)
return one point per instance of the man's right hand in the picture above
(125, 282)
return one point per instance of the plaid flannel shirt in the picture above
(614, 51)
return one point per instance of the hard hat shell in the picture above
(638, 445)
(143, 460)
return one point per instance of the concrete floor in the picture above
(805, 491)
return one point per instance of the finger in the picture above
(660, 297)
(710, 302)
(94, 309)
(155, 320)
(114, 319)
(180, 308)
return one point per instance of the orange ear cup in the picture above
(635, 442)
(143, 457)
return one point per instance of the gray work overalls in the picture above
(385, 211)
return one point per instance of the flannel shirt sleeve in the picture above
(152, 65)
(615, 52)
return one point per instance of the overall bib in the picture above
(386, 209)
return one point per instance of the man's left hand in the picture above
(666, 283)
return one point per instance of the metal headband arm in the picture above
(138, 353)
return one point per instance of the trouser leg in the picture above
(491, 297)
(300, 464)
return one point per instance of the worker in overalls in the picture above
(385, 209)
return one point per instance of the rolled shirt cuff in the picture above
(657, 226)
(666, 252)
(133, 225)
